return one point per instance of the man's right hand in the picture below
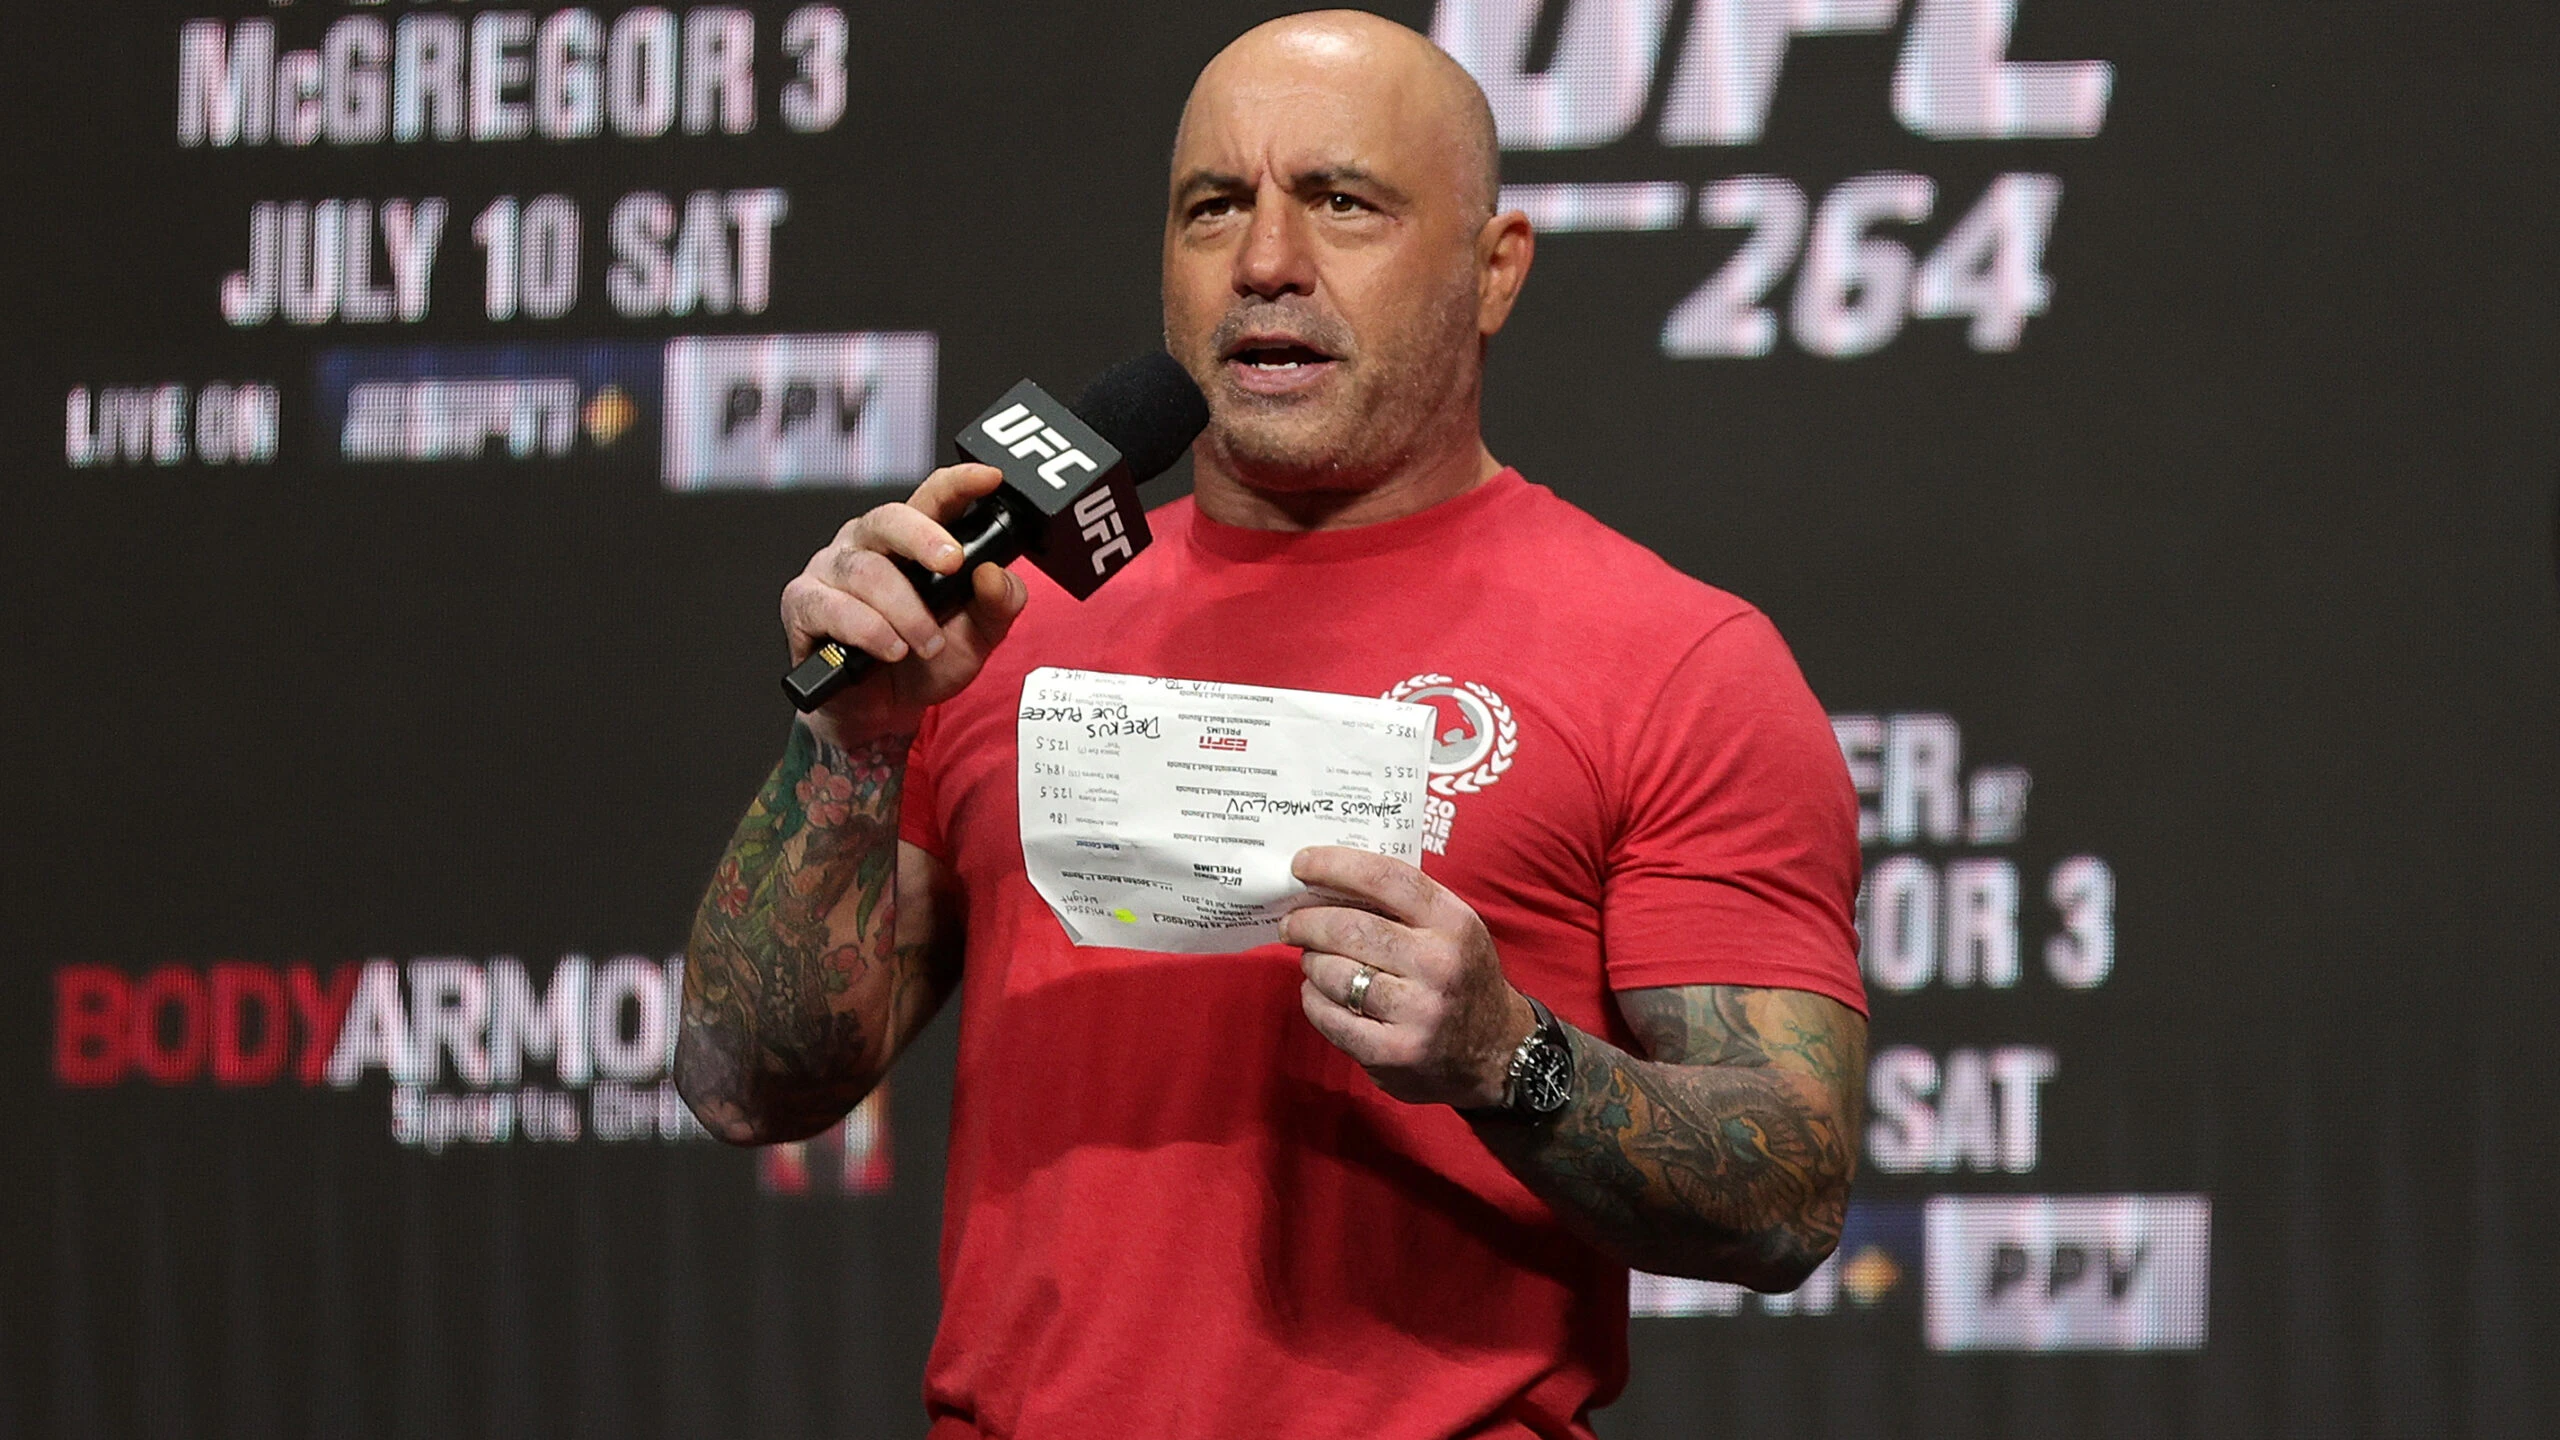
(851, 593)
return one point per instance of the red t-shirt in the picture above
(1173, 1209)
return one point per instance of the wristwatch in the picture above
(1540, 1082)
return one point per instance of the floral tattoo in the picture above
(796, 994)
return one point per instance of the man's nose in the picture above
(1276, 258)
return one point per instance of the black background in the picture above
(2247, 552)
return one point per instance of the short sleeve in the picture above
(1736, 858)
(920, 806)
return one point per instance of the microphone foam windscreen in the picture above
(1148, 409)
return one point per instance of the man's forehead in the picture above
(1345, 92)
(1298, 124)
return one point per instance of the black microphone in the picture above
(1069, 498)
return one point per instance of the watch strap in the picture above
(1548, 1033)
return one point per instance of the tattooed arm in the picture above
(824, 944)
(1727, 1154)
(814, 956)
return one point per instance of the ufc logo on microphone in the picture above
(1100, 518)
(1024, 434)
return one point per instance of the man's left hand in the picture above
(1437, 1022)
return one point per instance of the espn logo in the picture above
(1024, 434)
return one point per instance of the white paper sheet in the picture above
(1162, 814)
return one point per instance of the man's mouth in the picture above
(1277, 355)
(1277, 366)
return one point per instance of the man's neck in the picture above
(1234, 500)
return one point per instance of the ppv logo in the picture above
(1024, 434)
(2080, 1272)
(1099, 516)
(799, 405)
(772, 411)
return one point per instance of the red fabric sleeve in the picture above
(920, 806)
(1736, 859)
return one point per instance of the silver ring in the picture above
(1359, 993)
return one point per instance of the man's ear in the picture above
(1505, 245)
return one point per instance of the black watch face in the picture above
(1546, 1081)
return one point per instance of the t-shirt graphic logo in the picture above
(1474, 738)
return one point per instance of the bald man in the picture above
(1386, 1179)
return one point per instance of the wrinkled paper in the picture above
(1162, 814)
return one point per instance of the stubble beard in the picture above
(1387, 407)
